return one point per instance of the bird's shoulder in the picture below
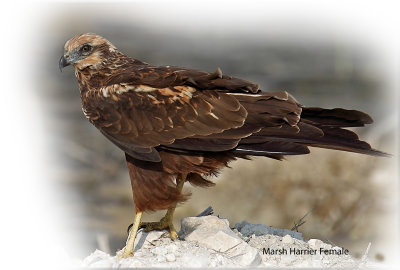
(140, 73)
(138, 84)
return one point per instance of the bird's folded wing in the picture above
(138, 118)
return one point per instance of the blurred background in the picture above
(321, 62)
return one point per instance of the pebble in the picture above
(172, 248)
(287, 259)
(160, 259)
(170, 257)
(315, 243)
(215, 233)
(287, 239)
(159, 251)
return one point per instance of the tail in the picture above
(309, 126)
(332, 123)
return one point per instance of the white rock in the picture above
(287, 239)
(246, 256)
(316, 263)
(302, 263)
(171, 248)
(95, 257)
(214, 233)
(326, 261)
(195, 261)
(159, 250)
(130, 263)
(145, 239)
(220, 241)
(287, 260)
(160, 259)
(315, 243)
(189, 224)
(170, 257)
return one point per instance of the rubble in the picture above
(208, 241)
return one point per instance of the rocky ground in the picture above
(209, 241)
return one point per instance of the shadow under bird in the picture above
(177, 124)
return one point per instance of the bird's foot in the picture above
(130, 243)
(164, 224)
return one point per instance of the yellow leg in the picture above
(166, 221)
(130, 243)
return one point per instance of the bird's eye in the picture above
(86, 48)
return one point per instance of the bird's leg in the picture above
(130, 243)
(166, 221)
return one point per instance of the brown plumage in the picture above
(174, 121)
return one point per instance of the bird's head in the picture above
(85, 50)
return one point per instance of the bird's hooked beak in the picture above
(63, 63)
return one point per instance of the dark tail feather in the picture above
(331, 122)
(323, 128)
(335, 117)
(344, 140)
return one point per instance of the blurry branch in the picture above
(330, 242)
(208, 211)
(365, 256)
(301, 221)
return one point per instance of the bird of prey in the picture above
(177, 124)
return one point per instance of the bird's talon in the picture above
(173, 235)
(124, 255)
(163, 224)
